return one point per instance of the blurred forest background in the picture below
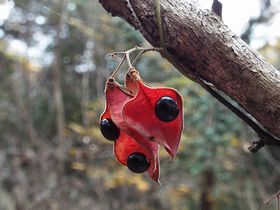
(53, 66)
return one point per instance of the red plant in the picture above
(140, 118)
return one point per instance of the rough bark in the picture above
(201, 46)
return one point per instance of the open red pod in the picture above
(156, 113)
(129, 152)
(140, 118)
(116, 98)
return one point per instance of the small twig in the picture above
(143, 52)
(255, 146)
(137, 57)
(128, 61)
(118, 67)
(275, 196)
(217, 8)
(117, 58)
(126, 56)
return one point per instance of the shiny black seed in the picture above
(166, 109)
(137, 162)
(109, 130)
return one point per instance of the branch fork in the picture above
(126, 57)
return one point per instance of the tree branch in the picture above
(217, 8)
(275, 196)
(266, 14)
(200, 45)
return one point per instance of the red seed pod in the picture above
(125, 145)
(140, 118)
(156, 113)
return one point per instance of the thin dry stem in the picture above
(275, 196)
(118, 67)
(143, 52)
(126, 56)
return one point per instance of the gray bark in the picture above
(203, 48)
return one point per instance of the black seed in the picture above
(137, 162)
(109, 130)
(166, 109)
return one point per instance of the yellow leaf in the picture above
(235, 142)
(78, 166)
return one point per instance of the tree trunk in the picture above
(22, 109)
(58, 96)
(207, 185)
(85, 97)
(203, 48)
